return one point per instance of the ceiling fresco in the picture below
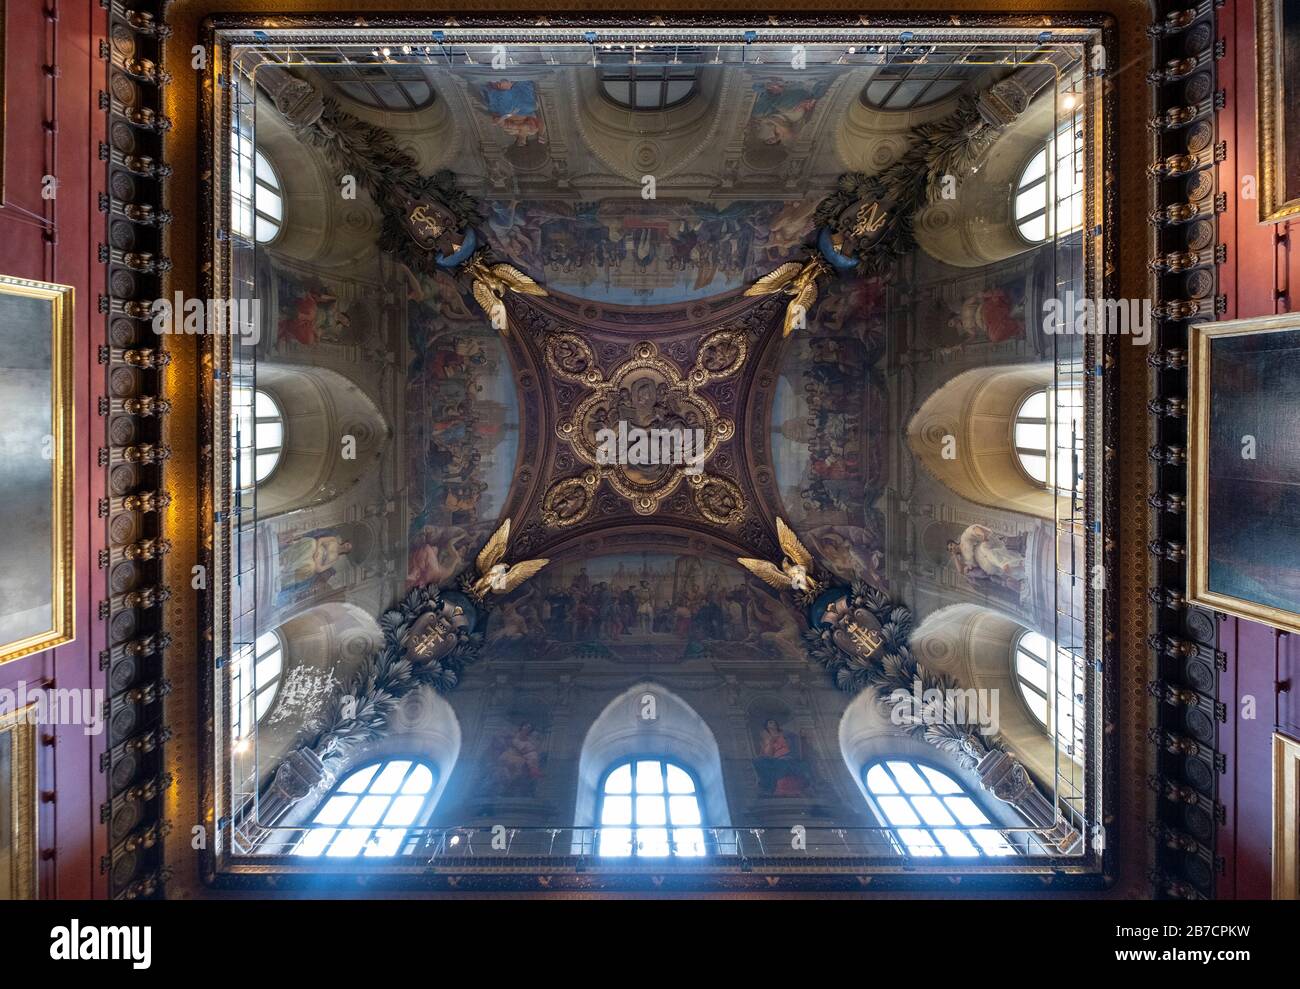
(647, 397)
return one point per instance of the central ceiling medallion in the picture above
(645, 428)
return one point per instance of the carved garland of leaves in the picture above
(951, 146)
(897, 670)
(389, 175)
(361, 710)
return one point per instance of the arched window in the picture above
(1051, 683)
(635, 85)
(257, 434)
(371, 811)
(1048, 438)
(388, 86)
(256, 202)
(650, 807)
(929, 813)
(912, 85)
(254, 681)
(1049, 201)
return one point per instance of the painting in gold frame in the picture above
(36, 468)
(1244, 465)
(18, 818)
(1277, 28)
(1286, 818)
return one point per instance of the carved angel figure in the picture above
(799, 281)
(492, 282)
(794, 572)
(496, 576)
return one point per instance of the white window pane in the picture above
(1037, 705)
(616, 810)
(315, 841)
(335, 810)
(266, 642)
(619, 92)
(1036, 168)
(615, 841)
(620, 780)
(403, 810)
(265, 464)
(1031, 200)
(1031, 670)
(992, 842)
(1035, 406)
(898, 811)
(1031, 436)
(684, 810)
(1035, 466)
(955, 842)
(679, 780)
(651, 810)
(689, 841)
(265, 406)
(391, 777)
(269, 204)
(679, 90)
(966, 811)
(267, 671)
(350, 842)
(269, 434)
(919, 842)
(265, 172)
(369, 810)
(932, 811)
(264, 700)
(358, 781)
(420, 781)
(265, 231)
(387, 841)
(649, 778)
(908, 778)
(1035, 229)
(879, 781)
(652, 842)
(940, 782)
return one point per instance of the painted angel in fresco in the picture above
(782, 109)
(309, 561)
(513, 107)
(517, 760)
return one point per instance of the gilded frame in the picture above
(221, 869)
(62, 577)
(1198, 465)
(21, 796)
(1273, 208)
(1286, 818)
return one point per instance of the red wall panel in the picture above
(53, 76)
(1261, 268)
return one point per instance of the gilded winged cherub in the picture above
(795, 570)
(492, 282)
(496, 576)
(799, 281)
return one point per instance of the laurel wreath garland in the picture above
(951, 146)
(361, 709)
(390, 176)
(897, 671)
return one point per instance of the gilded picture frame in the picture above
(1279, 178)
(18, 806)
(36, 473)
(1286, 818)
(1243, 543)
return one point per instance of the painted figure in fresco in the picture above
(517, 761)
(313, 317)
(513, 107)
(437, 555)
(782, 108)
(645, 607)
(780, 772)
(309, 562)
(981, 554)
